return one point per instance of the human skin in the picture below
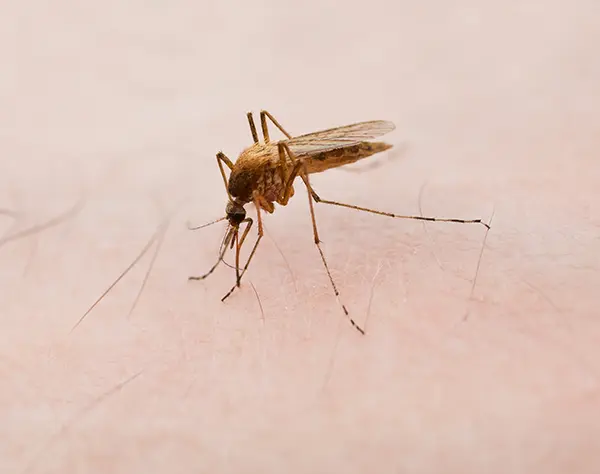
(120, 109)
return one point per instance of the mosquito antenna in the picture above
(205, 225)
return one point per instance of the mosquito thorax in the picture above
(235, 213)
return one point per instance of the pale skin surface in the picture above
(123, 108)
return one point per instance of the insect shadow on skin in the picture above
(264, 174)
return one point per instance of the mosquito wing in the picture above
(339, 137)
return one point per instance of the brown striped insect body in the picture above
(259, 170)
(264, 174)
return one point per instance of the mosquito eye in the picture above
(236, 214)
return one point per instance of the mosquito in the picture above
(264, 174)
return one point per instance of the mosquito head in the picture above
(235, 213)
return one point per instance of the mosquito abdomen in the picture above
(329, 159)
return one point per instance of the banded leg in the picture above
(252, 127)
(263, 123)
(397, 216)
(300, 164)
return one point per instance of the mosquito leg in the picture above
(221, 158)
(228, 238)
(237, 259)
(257, 204)
(297, 163)
(288, 190)
(287, 179)
(316, 197)
(252, 127)
(260, 235)
(238, 246)
(283, 168)
(244, 269)
(263, 123)
(249, 222)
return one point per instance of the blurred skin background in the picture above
(111, 117)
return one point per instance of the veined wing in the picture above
(339, 137)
